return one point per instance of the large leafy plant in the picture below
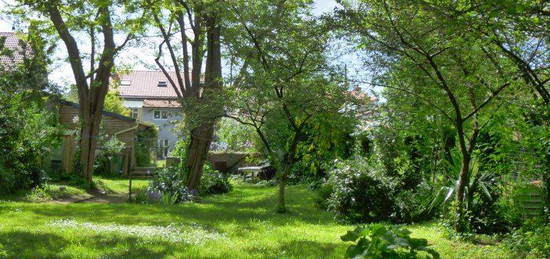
(382, 241)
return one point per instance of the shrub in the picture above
(355, 194)
(214, 182)
(531, 240)
(145, 141)
(28, 132)
(358, 192)
(168, 185)
(381, 241)
(169, 182)
(109, 156)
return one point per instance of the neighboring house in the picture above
(12, 50)
(123, 128)
(151, 98)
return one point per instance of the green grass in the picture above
(240, 224)
(118, 184)
(53, 191)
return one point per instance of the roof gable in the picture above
(145, 84)
(12, 44)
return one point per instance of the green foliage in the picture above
(234, 136)
(28, 129)
(108, 156)
(326, 138)
(168, 186)
(382, 241)
(145, 144)
(355, 193)
(50, 192)
(244, 218)
(180, 150)
(531, 240)
(283, 85)
(113, 103)
(28, 133)
(214, 182)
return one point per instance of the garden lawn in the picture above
(240, 224)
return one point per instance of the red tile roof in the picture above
(12, 43)
(144, 84)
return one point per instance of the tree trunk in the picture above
(546, 181)
(197, 153)
(91, 97)
(281, 205)
(460, 189)
(201, 136)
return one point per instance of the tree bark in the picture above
(197, 153)
(281, 205)
(91, 97)
(460, 189)
(201, 136)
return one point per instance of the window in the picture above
(125, 82)
(160, 115)
(163, 148)
(162, 84)
(134, 113)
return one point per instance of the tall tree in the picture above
(195, 25)
(518, 31)
(71, 18)
(429, 59)
(281, 86)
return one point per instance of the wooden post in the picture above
(68, 153)
(130, 187)
(126, 163)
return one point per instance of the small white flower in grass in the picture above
(194, 234)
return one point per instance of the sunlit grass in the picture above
(119, 184)
(244, 218)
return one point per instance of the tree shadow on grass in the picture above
(248, 207)
(132, 247)
(299, 249)
(22, 244)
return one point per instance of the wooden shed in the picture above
(112, 124)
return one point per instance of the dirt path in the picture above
(95, 196)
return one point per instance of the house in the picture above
(151, 98)
(13, 50)
(112, 124)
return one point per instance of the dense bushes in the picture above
(531, 240)
(214, 182)
(27, 134)
(356, 191)
(145, 143)
(108, 156)
(168, 185)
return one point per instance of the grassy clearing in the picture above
(50, 192)
(240, 224)
(119, 185)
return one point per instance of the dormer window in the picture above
(162, 84)
(125, 82)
